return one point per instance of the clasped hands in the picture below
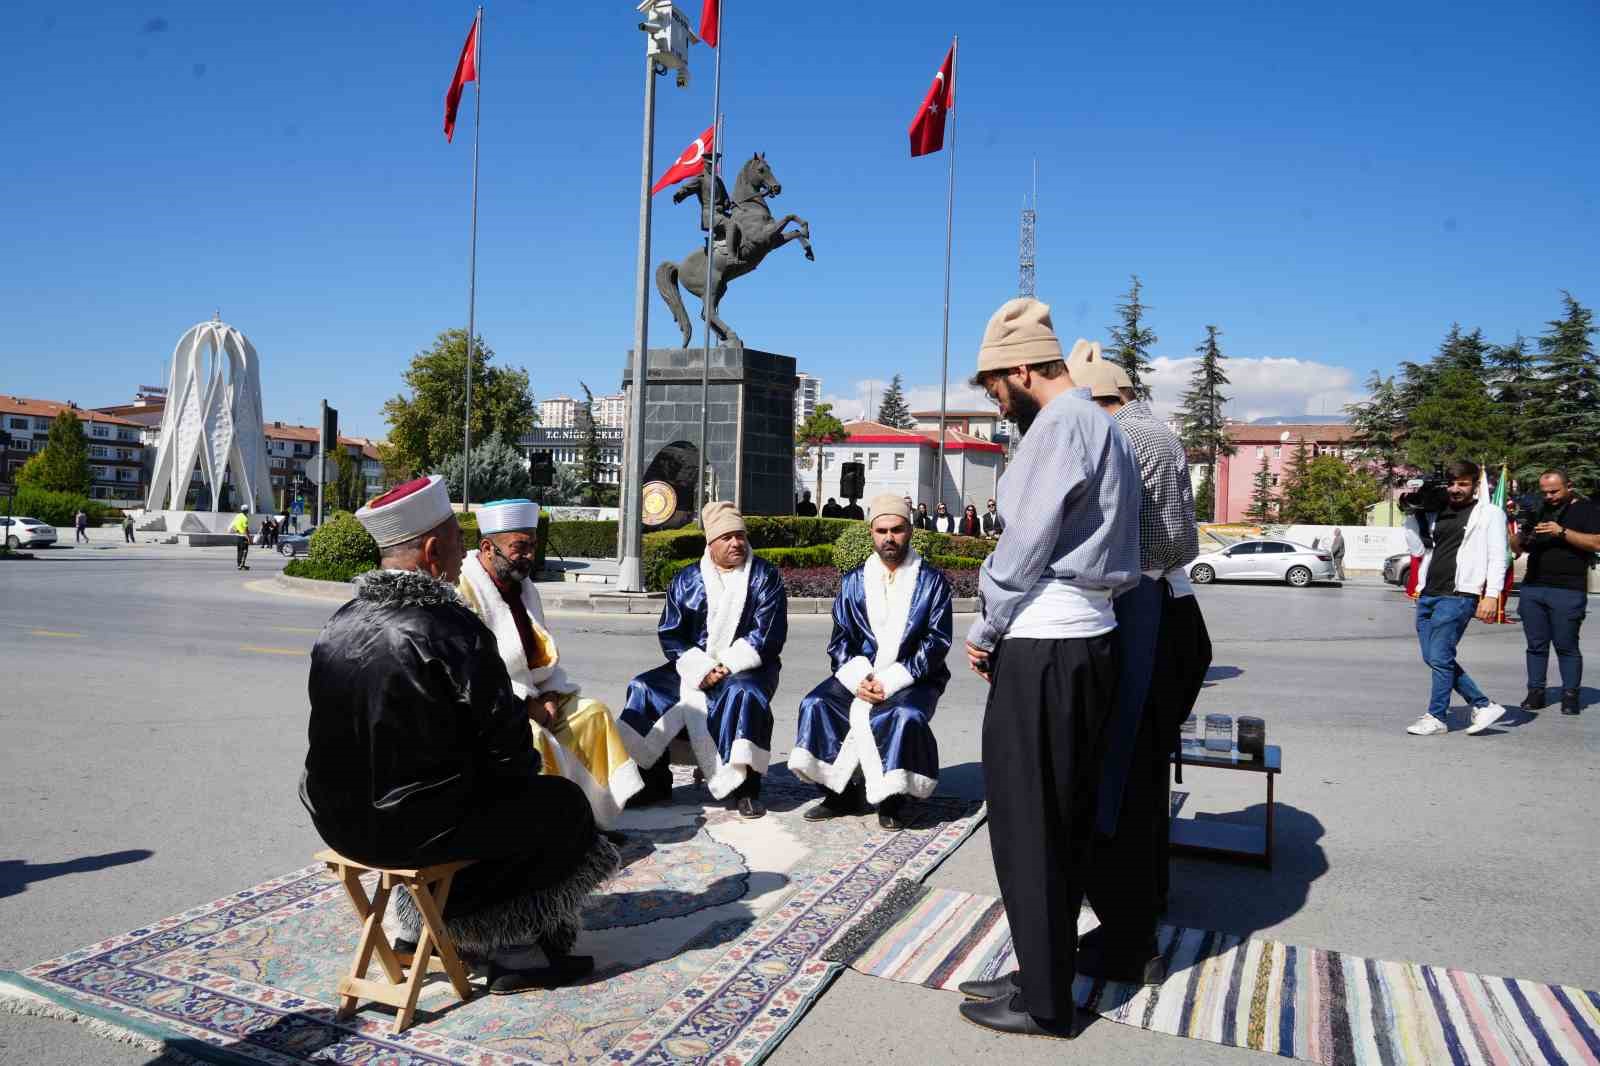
(544, 708)
(717, 675)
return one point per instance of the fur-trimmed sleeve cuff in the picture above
(893, 678)
(853, 672)
(693, 666)
(741, 656)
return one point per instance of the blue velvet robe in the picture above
(892, 743)
(729, 727)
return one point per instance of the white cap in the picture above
(506, 516)
(406, 511)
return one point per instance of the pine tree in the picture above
(1512, 386)
(1463, 351)
(1261, 495)
(1379, 425)
(1292, 490)
(1457, 419)
(589, 446)
(1132, 341)
(1205, 498)
(893, 410)
(1564, 423)
(1200, 417)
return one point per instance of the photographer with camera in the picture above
(1561, 534)
(1462, 541)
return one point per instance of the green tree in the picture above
(63, 466)
(428, 425)
(893, 409)
(499, 471)
(1464, 351)
(1330, 492)
(820, 429)
(1457, 419)
(347, 491)
(1205, 498)
(1291, 489)
(1564, 420)
(1262, 498)
(1202, 427)
(1512, 383)
(1380, 428)
(589, 449)
(1132, 341)
(569, 486)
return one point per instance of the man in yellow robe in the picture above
(576, 736)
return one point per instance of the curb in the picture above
(601, 603)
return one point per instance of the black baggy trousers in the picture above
(1043, 746)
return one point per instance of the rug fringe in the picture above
(25, 1004)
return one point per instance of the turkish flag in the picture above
(927, 129)
(466, 70)
(710, 21)
(687, 164)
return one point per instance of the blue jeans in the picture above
(1553, 615)
(1440, 622)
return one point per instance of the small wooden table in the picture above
(1213, 839)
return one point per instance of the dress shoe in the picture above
(563, 969)
(657, 785)
(891, 814)
(1569, 701)
(851, 801)
(993, 988)
(1535, 701)
(1008, 1015)
(751, 807)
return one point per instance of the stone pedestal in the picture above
(750, 428)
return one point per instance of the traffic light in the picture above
(852, 480)
(330, 427)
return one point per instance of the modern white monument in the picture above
(213, 416)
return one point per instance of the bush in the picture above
(820, 555)
(324, 571)
(665, 553)
(669, 570)
(786, 531)
(954, 562)
(470, 537)
(928, 543)
(963, 583)
(56, 508)
(583, 540)
(820, 582)
(853, 547)
(340, 543)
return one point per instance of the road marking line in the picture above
(54, 633)
(274, 651)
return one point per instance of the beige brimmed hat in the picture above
(1083, 353)
(1099, 377)
(1121, 375)
(1018, 334)
(719, 518)
(889, 504)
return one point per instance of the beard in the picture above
(1024, 408)
(509, 573)
(891, 552)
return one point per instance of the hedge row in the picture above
(583, 540)
(57, 508)
(324, 571)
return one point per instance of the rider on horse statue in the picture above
(716, 209)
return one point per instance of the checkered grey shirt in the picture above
(1168, 537)
(1070, 500)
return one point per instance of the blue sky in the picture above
(1332, 186)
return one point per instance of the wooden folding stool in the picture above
(430, 888)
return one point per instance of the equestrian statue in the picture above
(743, 231)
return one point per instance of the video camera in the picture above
(1425, 495)
(1533, 509)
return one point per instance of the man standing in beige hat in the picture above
(722, 630)
(865, 734)
(1047, 643)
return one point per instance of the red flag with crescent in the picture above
(710, 22)
(927, 129)
(688, 164)
(466, 70)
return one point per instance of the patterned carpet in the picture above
(706, 948)
(1297, 1002)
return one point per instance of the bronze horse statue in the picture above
(758, 233)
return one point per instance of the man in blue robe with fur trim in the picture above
(865, 733)
(722, 630)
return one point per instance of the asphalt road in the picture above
(152, 729)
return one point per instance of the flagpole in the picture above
(472, 261)
(949, 211)
(709, 302)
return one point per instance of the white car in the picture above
(1264, 559)
(27, 532)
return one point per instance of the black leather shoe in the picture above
(891, 814)
(1569, 701)
(852, 801)
(751, 807)
(563, 969)
(657, 785)
(1535, 701)
(827, 811)
(995, 987)
(1007, 1015)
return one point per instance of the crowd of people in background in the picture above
(967, 524)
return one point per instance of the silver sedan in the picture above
(1264, 559)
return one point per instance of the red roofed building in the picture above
(116, 450)
(905, 461)
(1276, 444)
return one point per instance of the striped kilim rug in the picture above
(1298, 1002)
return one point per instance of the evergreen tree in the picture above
(589, 447)
(1205, 498)
(1291, 500)
(1379, 425)
(1200, 418)
(893, 409)
(499, 471)
(1261, 495)
(1132, 341)
(347, 491)
(1564, 422)
(1457, 419)
(1330, 493)
(63, 466)
(1463, 351)
(1512, 386)
(822, 428)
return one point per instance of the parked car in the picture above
(27, 532)
(1264, 559)
(1397, 569)
(292, 544)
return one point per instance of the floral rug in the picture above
(706, 949)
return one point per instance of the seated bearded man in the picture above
(864, 733)
(722, 629)
(420, 754)
(575, 736)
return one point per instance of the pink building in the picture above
(1277, 444)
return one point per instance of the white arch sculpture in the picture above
(213, 417)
